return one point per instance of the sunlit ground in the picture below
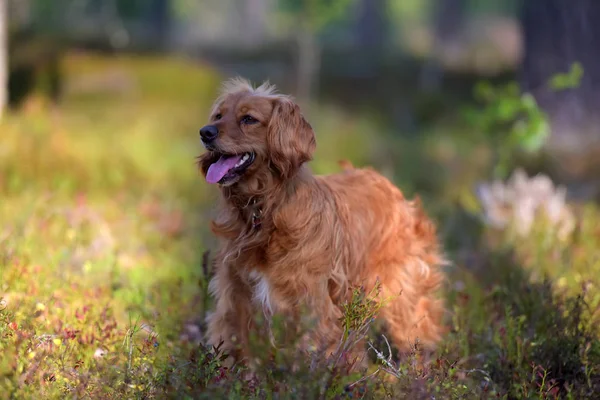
(104, 222)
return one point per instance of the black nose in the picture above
(209, 133)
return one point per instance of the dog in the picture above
(291, 239)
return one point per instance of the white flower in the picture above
(522, 200)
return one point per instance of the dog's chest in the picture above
(261, 291)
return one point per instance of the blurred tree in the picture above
(159, 14)
(371, 32)
(309, 18)
(33, 55)
(3, 55)
(152, 18)
(448, 18)
(558, 34)
(254, 15)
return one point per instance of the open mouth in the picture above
(228, 167)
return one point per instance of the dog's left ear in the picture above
(291, 139)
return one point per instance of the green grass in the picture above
(103, 227)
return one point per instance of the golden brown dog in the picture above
(291, 239)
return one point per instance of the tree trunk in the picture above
(254, 21)
(371, 34)
(3, 56)
(558, 33)
(160, 21)
(309, 65)
(448, 20)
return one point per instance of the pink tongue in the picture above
(217, 171)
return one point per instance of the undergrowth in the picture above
(103, 227)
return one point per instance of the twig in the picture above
(470, 371)
(364, 378)
(391, 368)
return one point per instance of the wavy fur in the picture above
(319, 235)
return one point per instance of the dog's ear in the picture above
(290, 138)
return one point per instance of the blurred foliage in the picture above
(410, 10)
(511, 119)
(315, 14)
(568, 80)
(132, 8)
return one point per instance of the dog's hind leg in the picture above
(412, 313)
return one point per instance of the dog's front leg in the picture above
(336, 343)
(231, 320)
(325, 333)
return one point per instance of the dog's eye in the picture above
(246, 119)
(218, 116)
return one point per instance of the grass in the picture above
(103, 228)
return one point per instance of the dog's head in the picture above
(254, 130)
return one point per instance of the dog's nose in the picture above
(209, 133)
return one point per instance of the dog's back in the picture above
(390, 239)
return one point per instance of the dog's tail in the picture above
(346, 165)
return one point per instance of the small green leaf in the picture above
(568, 80)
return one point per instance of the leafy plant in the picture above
(568, 80)
(512, 120)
